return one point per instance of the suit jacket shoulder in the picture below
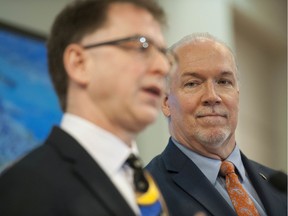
(187, 191)
(274, 201)
(59, 178)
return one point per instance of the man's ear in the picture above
(165, 106)
(75, 63)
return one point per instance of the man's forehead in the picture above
(205, 55)
(202, 48)
(126, 20)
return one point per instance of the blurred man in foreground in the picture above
(107, 60)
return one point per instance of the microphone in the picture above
(279, 181)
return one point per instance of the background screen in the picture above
(28, 104)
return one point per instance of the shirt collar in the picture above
(210, 167)
(235, 158)
(105, 148)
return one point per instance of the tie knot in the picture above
(134, 162)
(226, 168)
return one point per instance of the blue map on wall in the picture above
(28, 104)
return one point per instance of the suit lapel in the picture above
(270, 201)
(193, 181)
(99, 183)
(89, 173)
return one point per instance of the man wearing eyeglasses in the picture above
(107, 60)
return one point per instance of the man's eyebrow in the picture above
(191, 74)
(229, 73)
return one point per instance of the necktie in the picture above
(148, 196)
(241, 201)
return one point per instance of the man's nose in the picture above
(211, 96)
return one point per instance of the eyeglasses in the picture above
(141, 44)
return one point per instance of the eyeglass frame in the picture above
(145, 42)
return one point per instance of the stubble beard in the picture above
(212, 138)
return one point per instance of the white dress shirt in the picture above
(107, 150)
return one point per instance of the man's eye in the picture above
(142, 49)
(191, 84)
(225, 82)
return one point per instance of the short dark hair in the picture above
(74, 22)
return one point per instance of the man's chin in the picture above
(214, 138)
(149, 115)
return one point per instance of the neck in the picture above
(102, 122)
(211, 150)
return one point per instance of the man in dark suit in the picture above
(108, 62)
(202, 108)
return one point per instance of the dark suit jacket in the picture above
(187, 191)
(59, 178)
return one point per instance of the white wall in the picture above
(261, 44)
(34, 15)
(218, 18)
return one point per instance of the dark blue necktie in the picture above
(148, 196)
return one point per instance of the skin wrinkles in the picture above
(202, 104)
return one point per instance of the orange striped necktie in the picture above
(241, 201)
(148, 196)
